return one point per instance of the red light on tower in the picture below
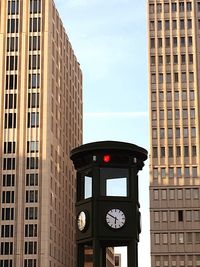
(106, 158)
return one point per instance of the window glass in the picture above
(114, 182)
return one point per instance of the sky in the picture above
(110, 42)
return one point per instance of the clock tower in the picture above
(107, 203)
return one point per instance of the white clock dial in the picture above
(81, 221)
(115, 218)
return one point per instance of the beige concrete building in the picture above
(174, 93)
(40, 122)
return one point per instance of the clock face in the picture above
(115, 218)
(82, 221)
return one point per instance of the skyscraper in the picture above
(40, 122)
(174, 87)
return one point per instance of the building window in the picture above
(179, 173)
(9, 147)
(168, 60)
(180, 215)
(174, 24)
(31, 196)
(13, 26)
(11, 81)
(154, 133)
(188, 215)
(181, 6)
(180, 238)
(167, 25)
(34, 43)
(180, 194)
(182, 41)
(171, 194)
(8, 180)
(35, 25)
(191, 76)
(160, 60)
(34, 80)
(190, 58)
(30, 247)
(182, 24)
(7, 214)
(194, 151)
(168, 77)
(162, 152)
(177, 116)
(153, 60)
(32, 179)
(178, 151)
(185, 113)
(10, 101)
(178, 132)
(11, 62)
(186, 151)
(13, 7)
(7, 230)
(34, 62)
(155, 194)
(157, 238)
(198, 6)
(156, 216)
(176, 77)
(155, 152)
(159, 8)
(164, 194)
(172, 216)
(31, 213)
(170, 133)
(185, 132)
(159, 25)
(176, 95)
(174, 7)
(160, 77)
(196, 215)
(33, 100)
(33, 119)
(155, 173)
(32, 163)
(12, 44)
(170, 151)
(30, 230)
(194, 171)
(189, 6)
(9, 163)
(159, 42)
(167, 42)
(172, 238)
(10, 120)
(32, 146)
(6, 248)
(164, 216)
(162, 133)
(189, 24)
(171, 172)
(8, 197)
(35, 6)
(166, 7)
(165, 238)
(191, 95)
(190, 41)
(193, 131)
(183, 59)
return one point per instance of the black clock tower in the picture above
(107, 204)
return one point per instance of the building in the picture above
(118, 260)
(40, 122)
(110, 257)
(174, 87)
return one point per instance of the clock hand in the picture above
(112, 216)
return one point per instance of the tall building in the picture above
(40, 122)
(174, 87)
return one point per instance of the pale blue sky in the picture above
(110, 41)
